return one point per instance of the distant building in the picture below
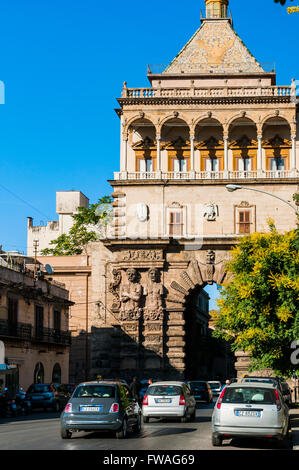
(67, 203)
(34, 325)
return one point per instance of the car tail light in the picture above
(68, 408)
(145, 400)
(114, 408)
(182, 400)
(220, 399)
(278, 402)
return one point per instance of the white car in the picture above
(251, 410)
(169, 400)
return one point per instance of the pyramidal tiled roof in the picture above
(215, 47)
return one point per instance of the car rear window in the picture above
(215, 384)
(198, 386)
(249, 395)
(94, 391)
(39, 388)
(169, 390)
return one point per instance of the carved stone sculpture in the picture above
(130, 297)
(114, 289)
(154, 293)
(210, 269)
(210, 212)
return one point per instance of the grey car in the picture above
(251, 410)
(100, 405)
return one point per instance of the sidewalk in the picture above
(294, 414)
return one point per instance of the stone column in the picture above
(259, 156)
(293, 156)
(225, 141)
(159, 174)
(192, 165)
(175, 359)
(124, 166)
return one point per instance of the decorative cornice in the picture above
(204, 100)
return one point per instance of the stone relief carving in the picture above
(154, 293)
(142, 255)
(210, 212)
(130, 297)
(114, 288)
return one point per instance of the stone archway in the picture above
(149, 288)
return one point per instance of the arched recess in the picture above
(243, 143)
(56, 374)
(142, 145)
(39, 374)
(175, 144)
(277, 143)
(209, 145)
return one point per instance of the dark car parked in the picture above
(100, 405)
(54, 396)
(201, 391)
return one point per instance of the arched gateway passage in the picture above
(153, 295)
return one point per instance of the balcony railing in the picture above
(215, 92)
(22, 331)
(49, 335)
(206, 175)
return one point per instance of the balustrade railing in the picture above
(213, 92)
(206, 175)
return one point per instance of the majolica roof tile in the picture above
(215, 47)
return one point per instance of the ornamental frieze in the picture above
(141, 255)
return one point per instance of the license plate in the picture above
(163, 400)
(248, 414)
(38, 397)
(90, 409)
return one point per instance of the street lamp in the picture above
(235, 187)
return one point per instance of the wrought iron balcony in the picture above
(19, 331)
(49, 335)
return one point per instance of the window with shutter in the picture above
(245, 221)
(176, 223)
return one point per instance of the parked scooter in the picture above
(22, 403)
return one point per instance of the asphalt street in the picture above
(41, 431)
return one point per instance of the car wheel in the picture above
(145, 419)
(184, 418)
(56, 406)
(65, 433)
(216, 440)
(137, 426)
(122, 433)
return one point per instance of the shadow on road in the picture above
(258, 444)
(35, 415)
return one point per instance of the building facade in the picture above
(214, 116)
(33, 327)
(67, 203)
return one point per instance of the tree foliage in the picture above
(85, 229)
(258, 308)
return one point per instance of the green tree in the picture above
(88, 223)
(258, 306)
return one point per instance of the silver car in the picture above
(169, 400)
(97, 406)
(251, 410)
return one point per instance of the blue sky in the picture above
(63, 63)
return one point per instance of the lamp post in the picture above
(235, 187)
